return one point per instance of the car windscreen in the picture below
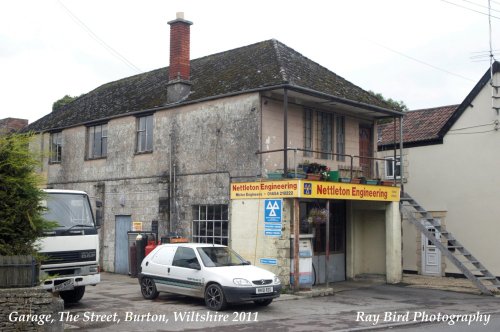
(220, 256)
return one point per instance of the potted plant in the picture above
(318, 216)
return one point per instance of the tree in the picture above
(394, 104)
(58, 104)
(21, 221)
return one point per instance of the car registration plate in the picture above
(67, 285)
(264, 290)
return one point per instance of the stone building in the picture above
(9, 125)
(166, 145)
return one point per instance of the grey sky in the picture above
(388, 46)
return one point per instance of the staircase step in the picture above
(454, 247)
(486, 278)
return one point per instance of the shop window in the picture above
(56, 147)
(97, 142)
(210, 224)
(392, 168)
(144, 134)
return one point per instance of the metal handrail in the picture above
(351, 157)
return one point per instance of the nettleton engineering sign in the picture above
(313, 189)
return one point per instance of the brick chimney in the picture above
(179, 84)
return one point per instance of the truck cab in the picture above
(70, 252)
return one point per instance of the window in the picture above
(184, 257)
(145, 134)
(392, 168)
(56, 147)
(308, 140)
(325, 134)
(97, 141)
(210, 224)
(340, 135)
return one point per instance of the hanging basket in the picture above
(318, 216)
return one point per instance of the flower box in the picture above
(312, 176)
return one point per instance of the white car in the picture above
(210, 271)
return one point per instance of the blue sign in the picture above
(272, 210)
(307, 188)
(272, 232)
(269, 261)
(272, 226)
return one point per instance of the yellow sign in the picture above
(352, 191)
(313, 189)
(265, 189)
(137, 226)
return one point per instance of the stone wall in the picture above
(29, 309)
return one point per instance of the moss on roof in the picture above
(259, 65)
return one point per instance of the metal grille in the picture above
(262, 282)
(60, 257)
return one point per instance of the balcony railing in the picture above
(349, 167)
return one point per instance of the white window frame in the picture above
(144, 141)
(391, 167)
(56, 147)
(206, 220)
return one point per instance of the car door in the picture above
(185, 273)
(159, 267)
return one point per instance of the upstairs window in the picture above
(340, 135)
(308, 132)
(392, 168)
(56, 147)
(145, 134)
(325, 134)
(97, 141)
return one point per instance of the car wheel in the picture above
(263, 303)
(214, 298)
(148, 288)
(74, 295)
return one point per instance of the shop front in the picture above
(321, 231)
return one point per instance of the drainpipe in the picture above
(327, 249)
(285, 133)
(296, 225)
(401, 170)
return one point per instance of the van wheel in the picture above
(214, 298)
(148, 289)
(74, 295)
(263, 303)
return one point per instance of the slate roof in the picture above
(257, 66)
(420, 127)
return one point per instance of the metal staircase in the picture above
(452, 249)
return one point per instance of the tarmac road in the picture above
(359, 306)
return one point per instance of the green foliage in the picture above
(394, 104)
(21, 221)
(58, 104)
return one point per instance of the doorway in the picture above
(123, 224)
(431, 255)
(336, 257)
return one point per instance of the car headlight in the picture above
(241, 282)
(277, 280)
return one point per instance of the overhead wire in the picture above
(98, 39)
(473, 10)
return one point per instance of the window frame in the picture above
(142, 134)
(205, 223)
(308, 132)
(91, 141)
(392, 167)
(324, 128)
(55, 146)
(340, 137)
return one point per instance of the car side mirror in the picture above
(194, 265)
